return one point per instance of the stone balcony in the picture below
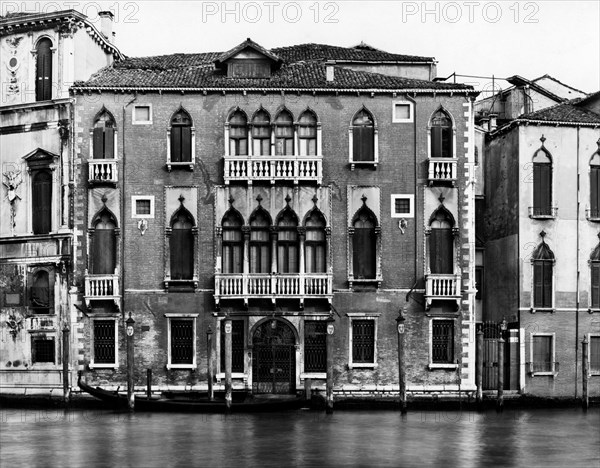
(102, 287)
(102, 171)
(442, 171)
(273, 286)
(442, 287)
(273, 168)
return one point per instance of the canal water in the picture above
(90, 438)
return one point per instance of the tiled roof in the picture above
(153, 74)
(307, 52)
(566, 112)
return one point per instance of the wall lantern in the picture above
(129, 323)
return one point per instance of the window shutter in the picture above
(103, 252)
(186, 144)
(538, 284)
(595, 191)
(175, 144)
(441, 251)
(43, 88)
(547, 284)
(109, 143)
(436, 142)
(367, 144)
(546, 188)
(537, 188)
(595, 285)
(42, 203)
(363, 252)
(182, 254)
(98, 143)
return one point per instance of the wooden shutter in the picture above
(99, 143)
(42, 203)
(595, 191)
(547, 284)
(363, 252)
(182, 254)
(186, 144)
(542, 189)
(538, 284)
(542, 353)
(595, 285)
(109, 143)
(43, 89)
(446, 142)
(103, 252)
(436, 142)
(441, 251)
(176, 144)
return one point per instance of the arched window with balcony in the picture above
(441, 134)
(104, 135)
(261, 133)
(595, 187)
(43, 70)
(181, 245)
(542, 183)
(233, 242)
(363, 137)
(441, 242)
(284, 133)
(260, 248)
(287, 241)
(542, 260)
(238, 133)
(103, 248)
(41, 209)
(181, 137)
(315, 245)
(307, 133)
(364, 243)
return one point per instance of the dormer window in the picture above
(249, 69)
(248, 60)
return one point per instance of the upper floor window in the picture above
(261, 133)
(43, 71)
(441, 135)
(287, 242)
(441, 242)
(363, 137)
(315, 246)
(542, 183)
(104, 136)
(238, 134)
(543, 264)
(181, 245)
(260, 250)
(41, 295)
(307, 134)
(42, 202)
(595, 278)
(284, 134)
(364, 244)
(233, 242)
(103, 249)
(595, 187)
(181, 137)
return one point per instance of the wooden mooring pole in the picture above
(479, 369)
(129, 331)
(65, 364)
(401, 363)
(500, 397)
(329, 351)
(209, 365)
(228, 382)
(585, 402)
(148, 383)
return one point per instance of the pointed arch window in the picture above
(41, 295)
(238, 134)
(284, 134)
(542, 183)
(181, 245)
(104, 136)
(595, 278)
(315, 245)
(261, 133)
(441, 242)
(43, 70)
(260, 253)
(441, 135)
(364, 244)
(307, 134)
(595, 187)
(287, 242)
(363, 137)
(543, 264)
(181, 147)
(233, 242)
(42, 202)
(103, 250)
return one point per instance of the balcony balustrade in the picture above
(442, 170)
(442, 287)
(102, 171)
(102, 287)
(273, 168)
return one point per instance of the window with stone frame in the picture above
(181, 245)
(261, 133)
(543, 265)
(363, 341)
(233, 242)
(542, 183)
(238, 134)
(595, 187)
(441, 135)
(260, 242)
(105, 346)
(103, 248)
(315, 244)
(595, 278)
(442, 341)
(287, 242)
(43, 70)
(181, 137)
(41, 292)
(441, 242)
(182, 336)
(594, 354)
(363, 137)
(284, 133)
(542, 357)
(315, 346)
(41, 208)
(307, 134)
(103, 136)
(364, 244)
(43, 350)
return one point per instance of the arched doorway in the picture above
(273, 358)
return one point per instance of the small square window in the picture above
(42, 350)
(402, 206)
(402, 112)
(142, 206)
(142, 114)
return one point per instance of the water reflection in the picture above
(562, 437)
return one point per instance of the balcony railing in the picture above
(273, 168)
(546, 212)
(442, 170)
(592, 215)
(273, 286)
(442, 287)
(102, 287)
(102, 171)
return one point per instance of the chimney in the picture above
(106, 25)
(329, 70)
(493, 124)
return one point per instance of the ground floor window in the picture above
(542, 353)
(315, 349)
(43, 350)
(363, 341)
(442, 342)
(237, 346)
(105, 350)
(182, 341)
(594, 353)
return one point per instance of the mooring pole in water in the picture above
(329, 351)
(479, 369)
(228, 384)
(65, 363)
(500, 398)
(148, 383)
(307, 389)
(129, 331)
(401, 363)
(585, 372)
(209, 364)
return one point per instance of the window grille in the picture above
(182, 341)
(363, 341)
(43, 350)
(104, 341)
(442, 342)
(315, 349)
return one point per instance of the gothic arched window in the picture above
(287, 242)
(260, 249)
(441, 242)
(307, 134)
(284, 134)
(261, 133)
(441, 135)
(103, 251)
(238, 134)
(181, 137)
(233, 242)
(543, 264)
(363, 136)
(182, 245)
(542, 183)
(43, 70)
(315, 245)
(364, 242)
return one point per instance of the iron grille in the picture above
(315, 349)
(363, 341)
(442, 342)
(237, 346)
(43, 350)
(104, 341)
(182, 341)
